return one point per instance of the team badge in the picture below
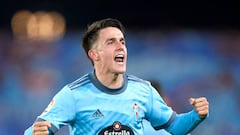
(136, 109)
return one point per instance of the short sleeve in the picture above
(61, 110)
(159, 113)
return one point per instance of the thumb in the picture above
(48, 124)
(192, 101)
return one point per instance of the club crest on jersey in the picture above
(117, 129)
(136, 109)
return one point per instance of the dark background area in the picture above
(134, 14)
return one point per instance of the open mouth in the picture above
(119, 58)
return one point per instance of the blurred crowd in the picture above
(186, 63)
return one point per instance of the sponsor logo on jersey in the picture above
(117, 129)
(97, 114)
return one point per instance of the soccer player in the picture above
(108, 101)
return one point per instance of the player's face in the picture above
(111, 49)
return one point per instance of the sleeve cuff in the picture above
(52, 130)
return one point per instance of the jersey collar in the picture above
(105, 89)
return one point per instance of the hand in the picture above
(200, 105)
(41, 128)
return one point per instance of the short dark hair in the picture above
(91, 34)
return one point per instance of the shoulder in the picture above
(82, 81)
(135, 79)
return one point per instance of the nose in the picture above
(120, 45)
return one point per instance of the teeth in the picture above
(119, 55)
(119, 58)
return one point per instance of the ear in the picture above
(93, 55)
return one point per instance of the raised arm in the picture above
(184, 123)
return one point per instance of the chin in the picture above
(120, 71)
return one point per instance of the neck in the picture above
(110, 80)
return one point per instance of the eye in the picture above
(123, 41)
(110, 41)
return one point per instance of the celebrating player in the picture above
(109, 101)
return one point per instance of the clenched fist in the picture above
(41, 128)
(200, 105)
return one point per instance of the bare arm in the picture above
(184, 123)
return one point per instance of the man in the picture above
(108, 101)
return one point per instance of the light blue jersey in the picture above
(91, 108)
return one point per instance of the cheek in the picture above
(105, 56)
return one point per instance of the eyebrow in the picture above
(110, 39)
(121, 39)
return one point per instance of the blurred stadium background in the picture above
(191, 49)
